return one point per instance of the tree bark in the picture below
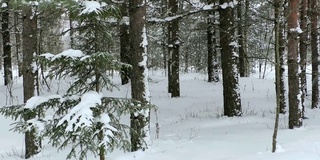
(139, 77)
(314, 53)
(124, 45)
(213, 75)
(173, 49)
(303, 46)
(243, 61)
(229, 61)
(29, 47)
(295, 109)
(7, 64)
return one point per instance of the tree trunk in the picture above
(277, 13)
(282, 46)
(29, 47)
(213, 75)
(139, 77)
(303, 46)
(7, 65)
(173, 49)
(17, 34)
(314, 53)
(229, 61)
(124, 45)
(295, 109)
(243, 65)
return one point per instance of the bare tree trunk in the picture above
(229, 61)
(303, 46)
(139, 78)
(277, 13)
(314, 54)
(17, 34)
(29, 47)
(173, 49)
(243, 68)
(213, 75)
(124, 44)
(295, 109)
(6, 45)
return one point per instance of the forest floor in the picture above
(192, 127)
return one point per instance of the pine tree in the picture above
(229, 60)
(6, 43)
(314, 53)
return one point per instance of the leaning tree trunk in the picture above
(6, 44)
(295, 109)
(139, 77)
(229, 60)
(29, 47)
(124, 44)
(303, 46)
(173, 49)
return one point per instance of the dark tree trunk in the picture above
(243, 65)
(173, 49)
(124, 45)
(229, 61)
(295, 110)
(315, 53)
(303, 52)
(139, 77)
(7, 65)
(29, 47)
(282, 46)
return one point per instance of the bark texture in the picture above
(139, 86)
(6, 44)
(124, 45)
(29, 47)
(229, 61)
(314, 53)
(295, 109)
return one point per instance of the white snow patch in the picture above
(91, 6)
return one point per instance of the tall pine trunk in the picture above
(314, 53)
(229, 61)
(139, 77)
(295, 109)
(6, 44)
(29, 47)
(243, 61)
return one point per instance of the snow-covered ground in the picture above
(192, 128)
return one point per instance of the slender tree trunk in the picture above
(295, 109)
(229, 61)
(242, 54)
(173, 49)
(124, 45)
(277, 12)
(282, 46)
(315, 53)
(303, 46)
(17, 34)
(29, 47)
(6, 44)
(139, 78)
(213, 75)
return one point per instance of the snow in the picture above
(191, 127)
(81, 115)
(69, 53)
(33, 102)
(91, 6)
